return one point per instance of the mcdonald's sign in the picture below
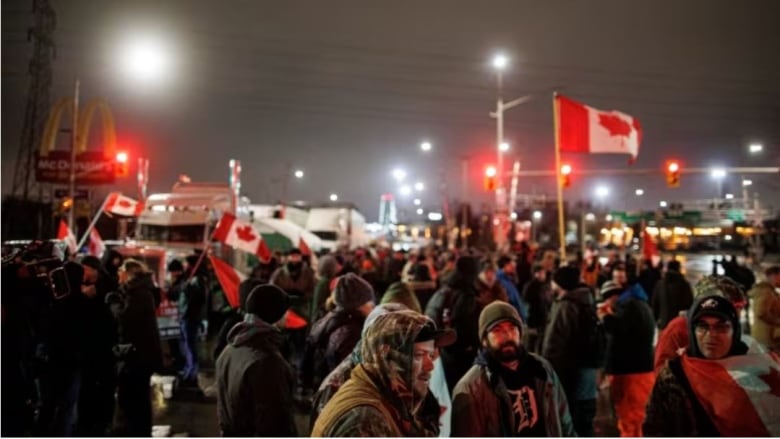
(92, 166)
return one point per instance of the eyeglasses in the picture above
(718, 328)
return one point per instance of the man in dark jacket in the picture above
(191, 301)
(139, 349)
(566, 344)
(672, 295)
(628, 321)
(509, 391)
(537, 293)
(334, 336)
(455, 307)
(255, 383)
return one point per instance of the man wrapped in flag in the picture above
(717, 388)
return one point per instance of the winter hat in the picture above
(496, 312)
(268, 302)
(720, 286)
(327, 266)
(609, 289)
(245, 289)
(720, 307)
(567, 277)
(401, 292)
(352, 292)
(92, 262)
(441, 337)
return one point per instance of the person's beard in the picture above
(507, 351)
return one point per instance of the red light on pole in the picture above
(121, 157)
(672, 173)
(122, 168)
(490, 178)
(566, 175)
(490, 171)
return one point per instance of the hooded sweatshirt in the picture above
(378, 400)
(255, 383)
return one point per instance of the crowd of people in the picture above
(426, 343)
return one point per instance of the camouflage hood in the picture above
(386, 351)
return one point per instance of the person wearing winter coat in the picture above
(401, 292)
(672, 294)
(565, 346)
(328, 269)
(537, 293)
(422, 283)
(255, 383)
(508, 391)
(387, 394)
(629, 324)
(766, 310)
(139, 350)
(455, 306)
(702, 392)
(489, 289)
(297, 280)
(334, 336)
(505, 276)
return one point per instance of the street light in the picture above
(639, 192)
(298, 174)
(426, 146)
(145, 59)
(500, 61)
(537, 215)
(419, 211)
(729, 196)
(718, 174)
(334, 197)
(602, 191)
(419, 186)
(663, 204)
(747, 182)
(756, 148)
(405, 190)
(504, 147)
(399, 174)
(417, 202)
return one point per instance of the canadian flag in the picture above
(303, 247)
(65, 234)
(229, 278)
(649, 248)
(586, 129)
(96, 246)
(241, 235)
(119, 204)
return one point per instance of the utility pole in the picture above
(37, 105)
(74, 131)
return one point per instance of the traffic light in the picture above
(490, 178)
(122, 165)
(672, 174)
(566, 175)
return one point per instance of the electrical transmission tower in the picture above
(37, 106)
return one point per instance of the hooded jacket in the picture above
(630, 332)
(672, 294)
(482, 407)
(331, 340)
(378, 399)
(254, 382)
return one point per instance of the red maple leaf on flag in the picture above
(615, 125)
(245, 233)
(124, 203)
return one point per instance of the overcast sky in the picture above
(346, 90)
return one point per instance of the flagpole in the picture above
(558, 182)
(92, 224)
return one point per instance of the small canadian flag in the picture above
(241, 235)
(65, 234)
(586, 129)
(96, 246)
(119, 204)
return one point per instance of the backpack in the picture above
(592, 350)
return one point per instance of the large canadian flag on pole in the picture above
(229, 278)
(65, 234)
(241, 235)
(119, 204)
(589, 130)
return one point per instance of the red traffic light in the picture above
(566, 169)
(490, 171)
(672, 173)
(673, 166)
(121, 157)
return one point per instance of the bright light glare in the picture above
(405, 190)
(756, 148)
(121, 157)
(500, 61)
(566, 169)
(608, 217)
(590, 217)
(663, 204)
(718, 173)
(602, 191)
(145, 59)
(298, 174)
(490, 171)
(729, 196)
(537, 214)
(747, 182)
(399, 174)
(674, 167)
(334, 197)
(504, 147)
(417, 202)
(435, 216)
(426, 146)
(419, 186)
(639, 192)
(419, 211)
(513, 215)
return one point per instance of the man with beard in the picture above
(387, 393)
(508, 391)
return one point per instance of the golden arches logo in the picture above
(65, 105)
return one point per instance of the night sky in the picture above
(347, 90)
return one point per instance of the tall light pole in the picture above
(500, 63)
(74, 142)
